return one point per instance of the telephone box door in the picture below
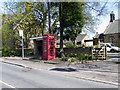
(49, 47)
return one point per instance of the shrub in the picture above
(7, 52)
(69, 44)
(79, 56)
(58, 54)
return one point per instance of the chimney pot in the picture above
(112, 16)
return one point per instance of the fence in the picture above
(99, 52)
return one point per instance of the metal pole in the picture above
(22, 47)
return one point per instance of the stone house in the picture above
(112, 33)
(81, 39)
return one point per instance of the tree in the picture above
(27, 16)
(61, 29)
(49, 19)
(72, 25)
(94, 10)
(73, 19)
(30, 17)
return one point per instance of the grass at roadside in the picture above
(116, 62)
(108, 57)
(0, 53)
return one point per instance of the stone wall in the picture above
(82, 50)
(113, 38)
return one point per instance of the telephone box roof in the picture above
(36, 38)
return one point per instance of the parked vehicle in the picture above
(111, 47)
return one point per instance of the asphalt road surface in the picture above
(19, 77)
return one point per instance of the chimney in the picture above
(96, 32)
(112, 16)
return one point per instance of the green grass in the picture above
(116, 62)
(108, 57)
(0, 53)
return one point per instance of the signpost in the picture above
(21, 34)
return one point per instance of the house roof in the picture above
(96, 35)
(100, 36)
(80, 37)
(113, 27)
(64, 41)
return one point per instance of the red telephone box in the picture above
(48, 47)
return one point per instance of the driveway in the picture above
(113, 55)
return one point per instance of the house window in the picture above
(111, 39)
(119, 36)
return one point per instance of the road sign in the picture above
(20, 32)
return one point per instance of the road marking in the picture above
(7, 84)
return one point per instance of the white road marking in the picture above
(7, 84)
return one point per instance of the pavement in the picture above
(105, 71)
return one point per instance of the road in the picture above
(19, 77)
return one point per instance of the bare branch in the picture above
(101, 10)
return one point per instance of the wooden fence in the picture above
(99, 52)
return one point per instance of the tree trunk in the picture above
(44, 23)
(61, 30)
(49, 19)
(74, 42)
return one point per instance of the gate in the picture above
(99, 52)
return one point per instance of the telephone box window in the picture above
(49, 47)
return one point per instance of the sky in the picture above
(104, 19)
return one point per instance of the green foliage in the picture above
(72, 14)
(69, 44)
(116, 62)
(31, 17)
(8, 36)
(73, 19)
(79, 56)
(21, 17)
(58, 54)
(8, 52)
(73, 45)
(108, 57)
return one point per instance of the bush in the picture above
(69, 44)
(58, 54)
(79, 56)
(0, 53)
(7, 52)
